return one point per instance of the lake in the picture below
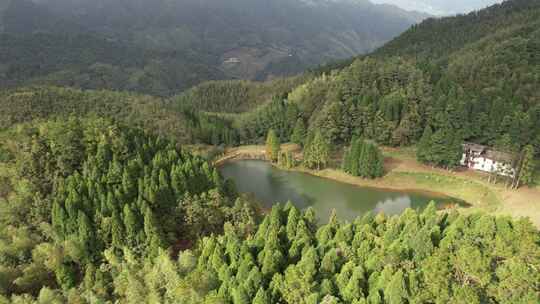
(270, 185)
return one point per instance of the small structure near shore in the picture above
(483, 158)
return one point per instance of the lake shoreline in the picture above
(404, 173)
(382, 184)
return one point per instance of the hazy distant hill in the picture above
(201, 39)
(441, 7)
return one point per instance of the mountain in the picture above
(472, 77)
(162, 47)
(441, 7)
(95, 209)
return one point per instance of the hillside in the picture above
(474, 75)
(157, 116)
(163, 47)
(493, 53)
(436, 38)
(102, 202)
(482, 89)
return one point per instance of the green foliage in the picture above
(286, 160)
(526, 168)
(92, 61)
(278, 115)
(299, 133)
(86, 191)
(317, 151)
(236, 96)
(363, 159)
(273, 146)
(383, 262)
(442, 148)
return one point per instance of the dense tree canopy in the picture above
(418, 257)
(80, 191)
(99, 202)
(363, 159)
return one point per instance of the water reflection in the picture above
(270, 185)
(393, 205)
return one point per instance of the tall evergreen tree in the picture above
(317, 153)
(299, 132)
(525, 170)
(273, 146)
(423, 151)
(364, 159)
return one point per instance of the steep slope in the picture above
(493, 52)
(436, 38)
(204, 40)
(474, 78)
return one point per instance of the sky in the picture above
(441, 7)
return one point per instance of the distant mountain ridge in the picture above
(249, 39)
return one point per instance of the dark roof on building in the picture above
(489, 153)
(499, 156)
(474, 147)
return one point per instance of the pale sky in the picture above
(441, 7)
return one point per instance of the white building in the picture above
(482, 158)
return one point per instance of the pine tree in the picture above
(395, 292)
(525, 172)
(240, 296)
(117, 230)
(346, 163)
(273, 146)
(317, 153)
(299, 132)
(423, 152)
(261, 297)
(131, 224)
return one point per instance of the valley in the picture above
(268, 151)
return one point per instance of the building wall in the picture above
(481, 163)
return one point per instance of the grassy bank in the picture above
(474, 193)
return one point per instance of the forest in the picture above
(163, 47)
(103, 201)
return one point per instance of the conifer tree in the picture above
(261, 297)
(299, 132)
(423, 151)
(525, 172)
(273, 146)
(240, 296)
(317, 153)
(396, 292)
(364, 159)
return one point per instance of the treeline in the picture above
(77, 193)
(185, 123)
(237, 96)
(279, 115)
(418, 257)
(43, 103)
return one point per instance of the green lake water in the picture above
(270, 185)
